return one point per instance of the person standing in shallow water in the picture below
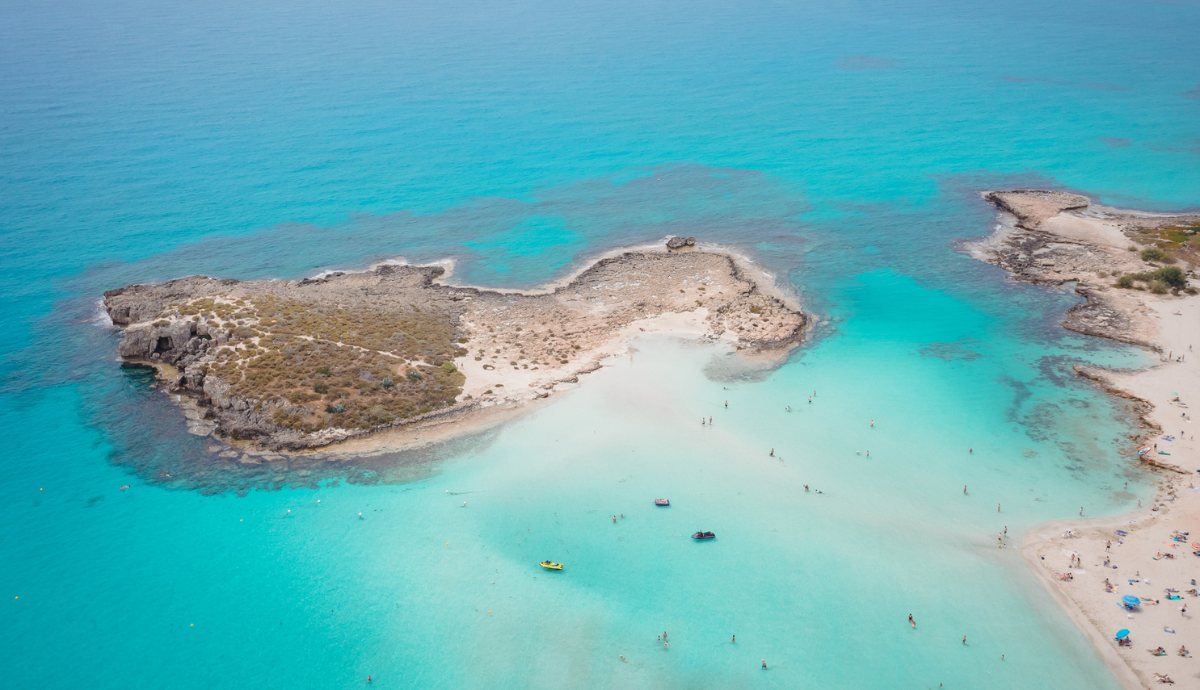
(764, 664)
(913, 622)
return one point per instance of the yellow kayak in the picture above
(551, 566)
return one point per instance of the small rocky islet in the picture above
(296, 365)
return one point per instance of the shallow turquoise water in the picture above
(840, 144)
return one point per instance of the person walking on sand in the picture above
(911, 621)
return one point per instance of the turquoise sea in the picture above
(841, 144)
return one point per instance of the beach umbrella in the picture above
(1122, 634)
(1130, 600)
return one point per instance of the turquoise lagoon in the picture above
(839, 144)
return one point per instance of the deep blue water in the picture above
(842, 144)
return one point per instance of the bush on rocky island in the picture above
(1153, 254)
(1172, 276)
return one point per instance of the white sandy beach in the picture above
(1146, 562)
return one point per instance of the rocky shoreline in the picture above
(1049, 237)
(283, 366)
(1029, 247)
(1134, 271)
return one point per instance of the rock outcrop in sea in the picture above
(296, 365)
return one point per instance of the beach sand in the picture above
(1176, 506)
(1082, 244)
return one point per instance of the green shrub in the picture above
(1153, 254)
(321, 388)
(1159, 288)
(413, 375)
(449, 367)
(387, 382)
(1172, 276)
(1125, 282)
(324, 371)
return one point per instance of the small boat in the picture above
(551, 566)
(661, 502)
(704, 535)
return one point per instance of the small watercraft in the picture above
(551, 566)
(661, 502)
(704, 535)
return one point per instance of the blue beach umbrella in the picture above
(1130, 600)
(1122, 634)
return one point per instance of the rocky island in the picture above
(295, 365)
